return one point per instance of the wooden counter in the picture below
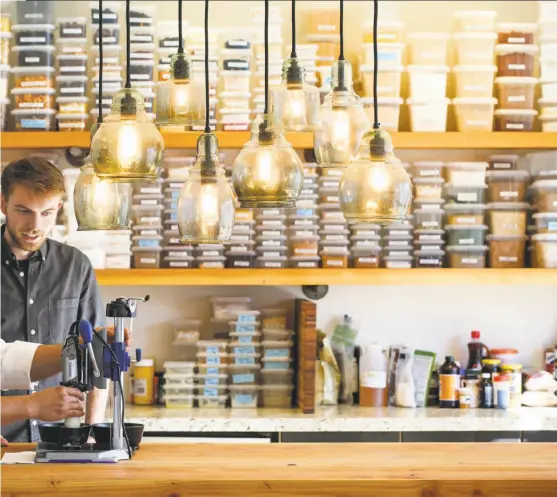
(414, 470)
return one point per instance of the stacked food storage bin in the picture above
(179, 385)
(548, 65)
(390, 51)
(5, 44)
(112, 49)
(466, 195)
(147, 227)
(365, 248)
(475, 40)
(33, 93)
(516, 84)
(241, 252)
(270, 229)
(397, 247)
(212, 380)
(277, 372)
(234, 112)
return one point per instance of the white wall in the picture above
(437, 318)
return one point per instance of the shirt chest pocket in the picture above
(61, 314)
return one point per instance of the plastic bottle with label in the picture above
(143, 381)
(449, 383)
(373, 376)
(476, 352)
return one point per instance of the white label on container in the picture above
(470, 260)
(271, 243)
(467, 197)
(170, 43)
(141, 55)
(307, 264)
(398, 243)
(515, 126)
(430, 237)
(34, 84)
(303, 222)
(271, 233)
(474, 88)
(141, 38)
(240, 238)
(149, 202)
(386, 36)
(516, 40)
(150, 190)
(430, 262)
(267, 222)
(429, 172)
(373, 379)
(32, 60)
(517, 67)
(466, 241)
(335, 172)
(241, 263)
(238, 248)
(72, 50)
(241, 227)
(398, 233)
(307, 191)
(179, 264)
(33, 15)
(31, 105)
(366, 243)
(174, 241)
(139, 386)
(368, 260)
(335, 263)
(34, 123)
(148, 232)
(272, 264)
(147, 260)
(149, 220)
(326, 27)
(430, 224)
(330, 184)
(401, 252)
(362, 232)
(271, 212)
(73, 69)
(72, 31)
(208, 265)
(210, 253)
(509, 194)
(80, 89)
(106, 15)
(552, 226)
(335, 237)
(305, 251)
(516, 98)
(140, 77)
(272, 254)
(431, 207)
(240, 65)
(398, 265)
(501, 165)
(476, 123)
(433, 247)
(465, 220)
(33, 39)
(504, 258)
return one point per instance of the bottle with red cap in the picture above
(476, 352)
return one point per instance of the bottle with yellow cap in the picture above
(143, 381)
(514, 371)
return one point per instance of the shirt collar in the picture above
(7, 253)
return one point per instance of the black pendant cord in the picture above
(128, 82)
(100, 104)
(207, 123)
(375, 68)
(341, 55)
(266, 58)
(293, 54)
(180, 40)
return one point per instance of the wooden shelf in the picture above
(402, 140)
(296, 277)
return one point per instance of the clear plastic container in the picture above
(141, 70)
(72, 86)
(141, 15)
(277, 334)
(402, 242)
(520, 33)
(246, 337)
(508, 218)
(429, 258)
(507, 186)
(546, 222)
(240, 349)
(244, 396)
(109, 14)
(147, 214)
(545, 250)
(33, 98)
(471, 214)
(546, 193)
(111, 34)
(465, 194)
(211, 402)
(179, 367)
(244, 375)
(245, 359)
(277, 396)
(72, 122)
(179, 401)
(548, 88)
(239, 327)
(515, 60)
(428, 115)
(179, 379)
(211, 380)
(466, 173)
(277, 377)
(72, 64)
(502, 161)
(506, 251)
(236, 81)
(240, 260)
(426, 236)
(33, 77)
(171, 389)
(277, 349)
(72, 27)
(428, 188)
(474, 81)
(548, 67)
(274, 318)
(474, 48)
(475, 20)
(146, 257)
(474, 114)
(460, 234)
(428, 169)
(516, 92)
(428, 48)
(244, 316)
(397, 261)
(34, 56)
(387, 32)
(211, 262)
(72, 105)
(515, 119)
(365, 257)
(213, 359)
(177, 262)
(33, 119)
(428, 218)
(275, 262)
(33, 34)
(212, 347)
(388, 80)
(71, 46)
(388, 54)
(428, 82)
(466, 256)
(226, 307)
(389, 111)
(549, 123)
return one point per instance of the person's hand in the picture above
(110, 335)
(56, 403)
(4, 442)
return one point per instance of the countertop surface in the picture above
(416, 470)
(342, 418)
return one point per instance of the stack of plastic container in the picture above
(365, 248)
(117, 245)
(34, 93)
(516, 83)
(544, 241)
(112, 70)
(147, 227)
(179, 384)
(234, 112)
(270, 229)
(466, 195)
(475, 39)
(5, 44)
(390, 51)
(277, 372)
(548, 65)
(241, 251)
(212, 380)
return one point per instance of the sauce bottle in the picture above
(449, 383)
(373, 376)
(476, 352)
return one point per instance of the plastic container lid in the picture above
(63, 117)
(70, 79)
(438, 253)
(30, 112)
(545, 184)
(468, 165)
(475, 35)
(428, 181)
(501, 238)
(465, 207)
(516, 112)
(523, 27)
(430, 69)
(66, 99)
(33, 91)
(516, 48)
(508, 206)
(461, 227)
(28, 48)
(474, 101)
(545, 237)
(475, 68)
(516, 80)
(466, 248)
(509, 173)
(32, 70)
(33, 27)
(146, 249)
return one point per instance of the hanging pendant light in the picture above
(206, 203)
(267, 172)
(294, 104)
(128, 146)
(180, 99)
(343, 119)
(375, 188)
(100, 204)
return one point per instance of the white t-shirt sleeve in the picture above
(15, 361)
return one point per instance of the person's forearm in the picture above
(47, 362)
(16, 409)
(96, 406)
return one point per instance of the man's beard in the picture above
(27, 245)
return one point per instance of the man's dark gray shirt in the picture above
(41, 298)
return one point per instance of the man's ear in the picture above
(4, 205)
(60, 203)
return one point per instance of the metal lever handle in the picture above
(86, 332)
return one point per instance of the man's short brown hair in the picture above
(36, 173)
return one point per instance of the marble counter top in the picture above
(342, 418)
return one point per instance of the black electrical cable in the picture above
(341, 55)
(128, 82)
(266, 58)
(180, 41)
(100, 94)
(375, 68)
(207, 125)
(293, 54)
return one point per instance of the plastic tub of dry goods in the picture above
(428, 169)
(466, 173)
(178, 389)
(33, 98)
(360, 229)
(179, 379)
(277, 396)
(142, 34)
(72, 122)
(335, 257)
(72, 64)
(502, 161)
(33, 119)
(469, 256)
(507, 186)
(546, 192)
(474, 48)
(460, 234)
(389, 111)
(109, 13)
(178, 401)
(33, 34)
(365, 257)
(474, 81)
(146, 257)
(428, 188)
(141, 15)
(141, 70)
(428, 82)
(186, 330)
(33, 77)
(238, 327)
(515, 60)
(397, 261)
(428, 115)
(211, 401)
(508, 218)
(429, 258)
(277, 334)
(506, 251)
(389, 80)
(34, 56)
(512, 33)
(471, 214)
(72, 86)
(515, 92)
(304, 245)
(245, 359)
(397, 242)
(425, 218)
(72, 27)
(246, 337)
(428, 48)
(433, 236)
(212, 347)
(277, 349)
(474, 113)
(147, 214)
(398, 230)
(242, 349)
(475, 20)
(181, 262)
(305, 262)
(365, 241)
(111, 34)
(213, 359)
(277, 377)
(240, 260)
(212, 262)
(73, 105)
(275, 262)
(466, 194)
(244, 396)
(211, 380)
(244, 374)
(72, 46)
(545, 250)
(546, 222)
